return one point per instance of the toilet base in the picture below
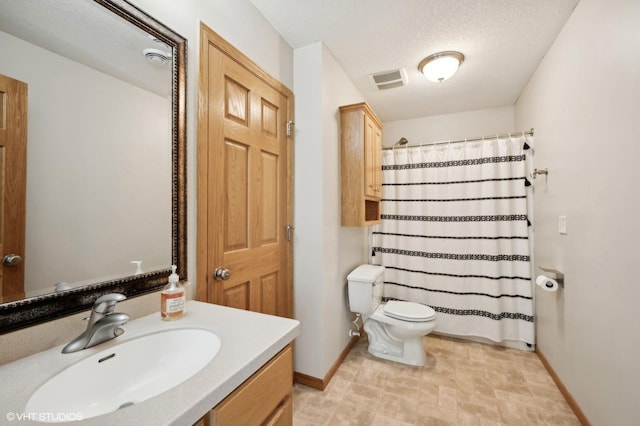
(383, 345)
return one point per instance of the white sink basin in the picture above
(126, 374)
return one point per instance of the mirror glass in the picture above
(105, 147)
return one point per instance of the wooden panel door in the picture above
(243, 182)
(13, 186)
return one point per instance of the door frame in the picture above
(204, 271)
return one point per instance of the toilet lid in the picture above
(409, 311)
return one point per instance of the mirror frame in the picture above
(35, 310)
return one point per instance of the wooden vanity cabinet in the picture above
(361, 168)
(263, 399)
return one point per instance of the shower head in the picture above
(403, 141)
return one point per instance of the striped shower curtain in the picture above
(455, 235)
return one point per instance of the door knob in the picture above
(11, 260)
(221, 274)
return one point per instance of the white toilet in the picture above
(395, 329)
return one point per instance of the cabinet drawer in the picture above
(260, 397)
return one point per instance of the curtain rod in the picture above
(476, 139)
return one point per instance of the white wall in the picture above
(583, 101)
(344, 247)
(325, 252)
(308, 271)
(435, 128)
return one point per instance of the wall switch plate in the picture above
(562, 225)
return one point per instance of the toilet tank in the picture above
(365, 288)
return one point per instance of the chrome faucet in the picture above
(103, 324)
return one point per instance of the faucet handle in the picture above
(114, 320)
(105, 304)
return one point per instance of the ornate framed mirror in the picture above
(139, 200)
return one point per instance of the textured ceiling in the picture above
(88, 34)
(503, 42)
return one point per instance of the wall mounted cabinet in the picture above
(361, 150)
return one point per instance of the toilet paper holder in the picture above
(557, 275)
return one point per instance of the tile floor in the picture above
(463, 383)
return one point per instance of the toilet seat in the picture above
(409, 311)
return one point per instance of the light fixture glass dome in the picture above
(441, 66)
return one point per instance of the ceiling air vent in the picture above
(389, 79)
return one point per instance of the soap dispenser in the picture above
(172, 298)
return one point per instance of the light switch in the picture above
(562, 225)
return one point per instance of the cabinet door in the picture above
(282, 416)
(372, 146)
(377, 161)
(264, 398)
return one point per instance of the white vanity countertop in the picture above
(249, 340)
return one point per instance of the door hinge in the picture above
(290, 124)
(289, 232)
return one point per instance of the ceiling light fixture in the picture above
(441, 66)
